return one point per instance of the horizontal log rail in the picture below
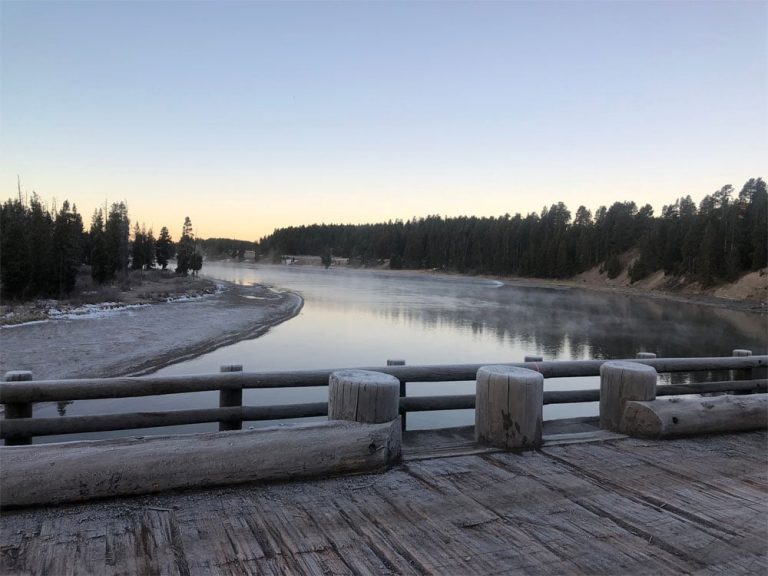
(101, 388)
(28, 427)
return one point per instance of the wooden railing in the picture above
(19, 392)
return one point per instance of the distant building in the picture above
(301, 260)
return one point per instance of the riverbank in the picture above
(748, 294)
(140, 338)
(692, 294)
(137, 288)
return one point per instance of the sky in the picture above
(249, 116)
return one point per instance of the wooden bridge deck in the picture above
(621, 506)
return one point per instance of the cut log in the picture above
(18, 410)
(231, 397)
(677, 417)
(363, 396)
(619, 382)
(508, 407)
(106, 468)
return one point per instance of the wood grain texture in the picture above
(363, 396)
(125, 387)
(619, 383)
(97, 469)
(230, 397)
(508, 408)
(680, 417)
(630, 507)
(14, 410)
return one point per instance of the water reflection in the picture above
(574, 323)
(363, 317)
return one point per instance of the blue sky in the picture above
(247, 116)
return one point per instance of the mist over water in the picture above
(364, 317)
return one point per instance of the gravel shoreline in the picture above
(138, 340)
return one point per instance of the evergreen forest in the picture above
(42, 249)
(723, 237)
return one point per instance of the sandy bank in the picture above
(703, 298)
(138, 340)
(749, 294)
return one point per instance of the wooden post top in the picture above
(521, 374)
(231, 368)
(363, 396)
(633, 367)
(18, 376)
(365, 377)
(508, 407)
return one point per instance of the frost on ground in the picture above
(89, 300)
(139, 338)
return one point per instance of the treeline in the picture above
(218, 248)
(725, 236)
(42, 249)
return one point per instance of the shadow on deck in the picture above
(620, 506)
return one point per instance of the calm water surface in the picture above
(364, 317)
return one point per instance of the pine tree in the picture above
(185, 249)
(40, 240)
(101, 269)
(326, 258)
(149, 248)
(196, 263)
(15, 269)
(164, 248)
(137, 249)
(67, 233)
(116, 232)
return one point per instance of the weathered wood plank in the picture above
(680, 417)
(620, 382)
(524, 501)
(93, 388)
(509, 407)
(144, 542)
(363, 396)
(625, 506)
(97, 469)
(696, 545)
(703, 488)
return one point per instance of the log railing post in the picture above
(231, 397)
(402, 387)
(620, 382)
(18, 410)
(363, 396)
(508, 407)
(746, 373)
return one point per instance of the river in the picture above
(364, 317)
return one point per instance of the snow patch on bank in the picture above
(88, 311)
(108, 309)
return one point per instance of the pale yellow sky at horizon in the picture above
(255, 115)
(222, 208)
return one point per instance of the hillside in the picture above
(751, 289)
